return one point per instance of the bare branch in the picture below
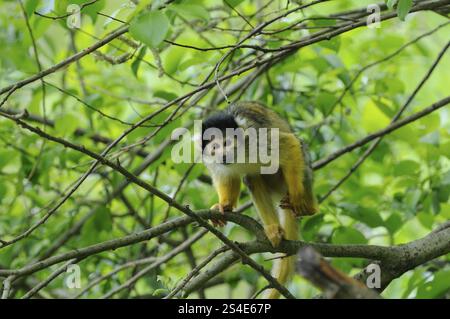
(334, 283)
(395, 260)
(182, 247)
(388, 129)
(50, 278)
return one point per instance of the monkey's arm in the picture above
(228, 188)
(298, 176)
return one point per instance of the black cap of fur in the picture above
(221, 121)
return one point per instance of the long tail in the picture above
(283, 268)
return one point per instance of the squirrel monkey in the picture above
(287, 190)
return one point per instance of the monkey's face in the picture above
(218, 141)
(222, 147)
(240, 150)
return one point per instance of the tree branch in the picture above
(179, 249)
(388, 129)
(395, 260)
(100, 158)
(411, 255)
(334, 283)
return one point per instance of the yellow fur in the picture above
(228, 189)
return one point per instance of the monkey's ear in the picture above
(241, 121)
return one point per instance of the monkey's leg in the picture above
(262, 198)
(228, 189)
(292, 162)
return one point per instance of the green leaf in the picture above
(233, 3)
(191, 11)
(89, 10)
(311, 226)
(384, 107)
(150, 28)
(231, 279)
(168, 96)
(368, 216)
(406, 167)
(412, 198)
(347, 235)
(391, 3)
(3, 191)
(436, 288)
(430, 123)
(425, 219)
(5, 157)
(93, 9)
(45, 165)
(332, 44)
(66, 124)
(325, 101)
(445, 180)
(35, 198)
(322, 22)
(435, 203)
(443, 194)
(60, 7)
(164, 281)
(249, 276)
(393, 223)
(390, 86)
(195, 172)
(403, 8)
(173, 58)
(30, 6)
(161, 292)
(102, 219)
(432, 138)
(190, 62)
(137, 61)
(373, 118)
(416, 278)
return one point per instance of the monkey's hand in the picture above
(274, 233)
(222, 209)
(298, 205)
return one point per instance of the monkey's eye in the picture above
(215, 146)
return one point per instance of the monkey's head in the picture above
(220, 138)
(244, 139)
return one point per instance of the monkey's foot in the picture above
(298, 206)
(274, 233)
(222, 209)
